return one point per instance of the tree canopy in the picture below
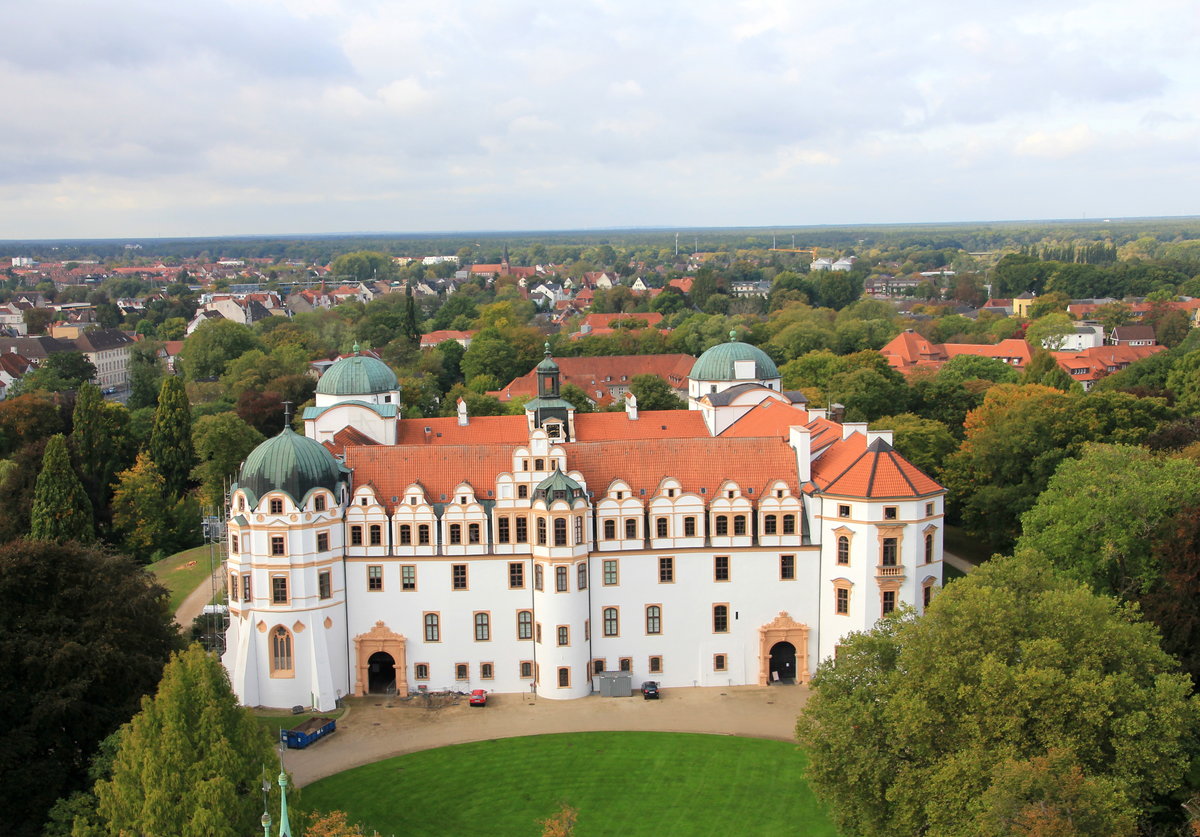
(936, 725)
(61, 508)
(83, 635)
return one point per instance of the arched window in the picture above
(539, 465)
(432, 628)
(631, 527)
(654, 619)
(660, 527)
(611, 622)
(720, 619)
(722, 525)
(538, 576)
(233, 587)
(541, 531)
(689, 527)
(319, 502)
(423, 534)
(581, 572)
(928, 547)
(281, 652)
(843, 550)
(376, 533)
(483, 628)
(610, 529)
(455, 533)
(789, 524)
(770, 522)
(405, 534)
(473, 533)
(560, 531)
(524, 624)
(560, 579)
(739, 524)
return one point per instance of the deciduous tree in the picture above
(222, 442)
(143, 510)
(653, 393)
(918, 725)
(83, 635)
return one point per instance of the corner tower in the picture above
(549, 411)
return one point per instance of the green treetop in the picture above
(61, 508)
(171, 440)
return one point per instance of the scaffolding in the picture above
(216, 613)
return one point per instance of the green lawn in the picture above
(626, 783)
(176, 575)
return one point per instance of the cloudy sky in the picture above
(139, 118)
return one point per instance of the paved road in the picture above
(376, 728)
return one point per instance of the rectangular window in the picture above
(720, 662)
(598, 665)
(720, 568)
(356, 536)
(843, 550)
(433, 628)
(483, 627)
(929, 509)
(666, 570)
(560, 579)
(720, 619)
(889, 512)
(929, 547)
(888, 554)
(927, 595)
(421, 671)
(376, 533)
(246, 587)
(842, 606)
(689, 527)
(322, 541)
(324, 584)
(625, 664)
(537, 633)
(587, 630)
(888, 602)
(538, 574)
(526, 669)
(522, 530)
(458, 576)
(524, 624)
(233, 544)
(610, 572)
(485, 671)
(233, 587)
(408, 577)
(277, 545)
(461, 671)
(502, 528)
(279, 589)
(564, 677)
(660, 527)
(516, 575)
(375, 577)
(843, 511)
(581, 576)
(656, 665)
(787, 567)
(564, 635)
(276, 505)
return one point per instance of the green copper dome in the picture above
(289, 462)
(717, 363)
(357, 375)
(557, 486)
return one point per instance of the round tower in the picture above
(728, 365)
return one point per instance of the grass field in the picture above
(626, 783)
(182, 573)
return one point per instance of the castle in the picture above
(732, 543)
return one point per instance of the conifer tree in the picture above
(171, 440)
(61, 508)
(191, 762)
(411, 329)
(95, 442)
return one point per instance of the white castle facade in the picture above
(733, 543)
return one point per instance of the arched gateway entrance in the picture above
(380, 661)
(783, 651)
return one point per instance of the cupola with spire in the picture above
(550, 411)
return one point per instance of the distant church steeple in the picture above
(504, 269)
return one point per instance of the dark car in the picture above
(650, 690)
(478, 698)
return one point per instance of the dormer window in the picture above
(670, 492)
(319, 503)
(729, 494)
(620, 495)
(462, 500)
(553, 429)
(539, 465)
(412, 501)
(276, 505)
(362, 501)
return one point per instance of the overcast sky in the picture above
(139, 118)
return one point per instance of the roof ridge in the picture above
(847, 469)
(874, 466)
(903, 473)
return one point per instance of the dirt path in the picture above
(958, 563)
(376, 728)
(193, 605)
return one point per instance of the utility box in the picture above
(616, 684)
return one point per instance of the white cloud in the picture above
(1066, 142)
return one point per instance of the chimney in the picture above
(849, 428)
(462, 413)
(800, 440)
(837, 412)
(872, 435)
(631, 406)
(816, 413)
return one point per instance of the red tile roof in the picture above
(854, 468)
(1099, 361)
(591, 374)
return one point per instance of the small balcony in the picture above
(893, 571)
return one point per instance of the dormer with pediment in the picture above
(731, 516)
(620, 518)
(414, 523)
(780, 516)
(366, 524)
(676, 517)
(464, 523)
(560, 517)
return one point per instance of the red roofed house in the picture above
(909, 350)
(1092, 364)
(607, 377)
(433, 338)
(733, 543)
(600, 324)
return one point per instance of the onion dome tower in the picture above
(731, 364)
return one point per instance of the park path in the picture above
(958, 563)
(376, 727)
(193, 605)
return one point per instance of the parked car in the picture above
(478, 698)
(650, 690)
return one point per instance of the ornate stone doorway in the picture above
(773, 651)
(372, 649)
